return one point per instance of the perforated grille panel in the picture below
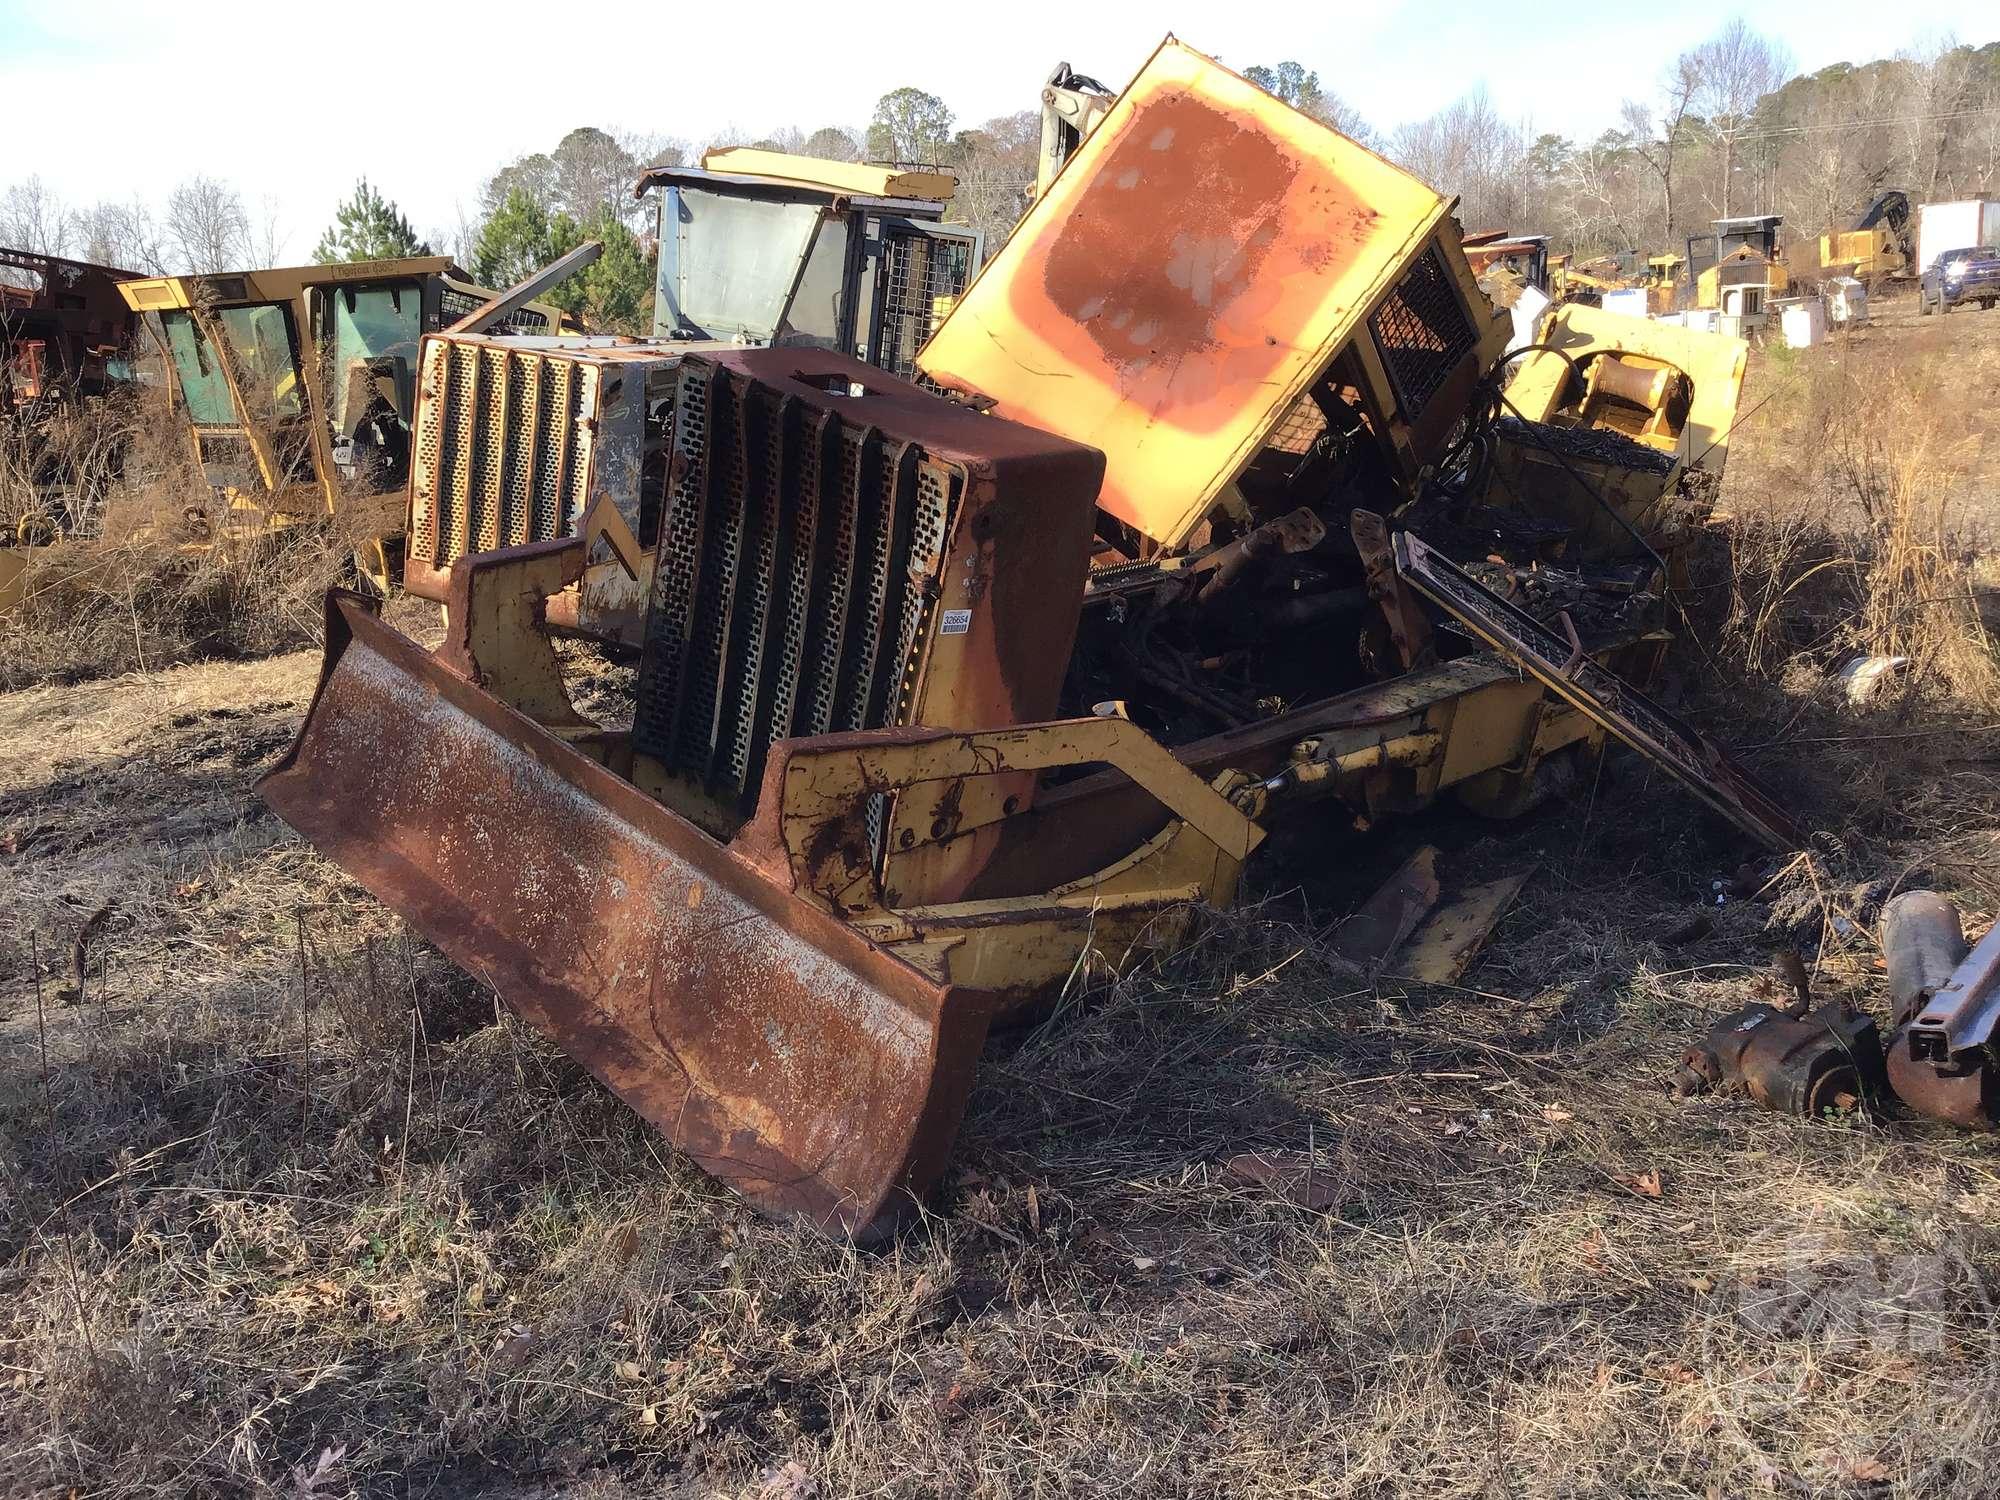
(454, 304)
(503, 449)
(923, 276)
(798, 565)
(1422, 332)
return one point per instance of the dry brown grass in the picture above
(1859, 532)
(133, 588)
(336, 1226)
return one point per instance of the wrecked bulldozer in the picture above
(945, 699)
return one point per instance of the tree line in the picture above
(1726, 127)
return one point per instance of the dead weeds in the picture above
(132, 580)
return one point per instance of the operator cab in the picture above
(760, 247)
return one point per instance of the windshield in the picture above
(371, 324)
(817, 310)
(198, 370)
(260, 337)
(727, 264)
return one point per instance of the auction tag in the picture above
(955, 622)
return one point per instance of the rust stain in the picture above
(1169, 256)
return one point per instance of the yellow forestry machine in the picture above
(1215, 497)
(1880, 245)
(297, 385)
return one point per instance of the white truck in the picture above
(1955, 226)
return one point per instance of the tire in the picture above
(1923, 304)
(1986, 304)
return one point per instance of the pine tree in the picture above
(368, 227)
(514, 242)
(614, 293)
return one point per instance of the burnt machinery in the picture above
(944, 699)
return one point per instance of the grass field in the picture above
(291, 1208)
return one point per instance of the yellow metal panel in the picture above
(273, 284)
(1186, 277)
(836, 176)
(1712, 362)
(153, 293)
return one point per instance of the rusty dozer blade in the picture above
(1561, 666)
(809, 1069)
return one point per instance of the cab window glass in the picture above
(372, 325)
(260, 338)
(199, 370)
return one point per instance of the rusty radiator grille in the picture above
(503, 449)
(797, 566)
(1422, 332)
(923, 276)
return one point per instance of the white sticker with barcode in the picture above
(956, 622)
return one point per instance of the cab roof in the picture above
(746, 166)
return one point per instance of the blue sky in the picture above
(133, 96)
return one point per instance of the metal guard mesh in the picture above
(1422, 332)
(798, 561)
(503, 449)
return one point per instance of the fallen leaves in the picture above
(1867, 1471)
(1646, 1184)
(512, 1350)
(1590, 1250)
(790, 1481)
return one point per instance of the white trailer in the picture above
(1955, 226)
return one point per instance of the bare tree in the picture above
(207, 227)
(1592, 196)
(125, 235)
(266, 236)
(833, 144)
(593, 170)
(1735, 69)
(787, 138)
(996, 173)
(1938, 84)
(33, 218)
(1470, 150)
(1659, 132)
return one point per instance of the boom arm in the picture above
(1072, 106)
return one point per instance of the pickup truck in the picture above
(1957, 276)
